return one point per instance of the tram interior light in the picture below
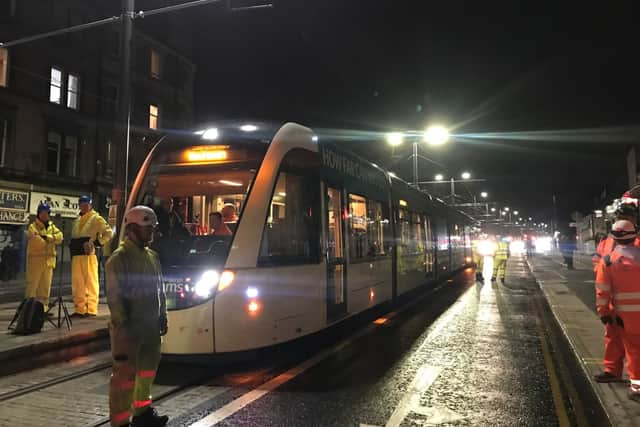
(248, 128)
(211, 134)
(207, 283)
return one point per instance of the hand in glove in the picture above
(44, 237)
(619, 322)
(606, 319)
(164, 326)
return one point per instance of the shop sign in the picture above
(61, 204)
(13, 200)
(13, 217)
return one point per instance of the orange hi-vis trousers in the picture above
(613, 361)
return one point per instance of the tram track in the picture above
(54, 381)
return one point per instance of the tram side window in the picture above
(367, 228)
(429, 252)
(291, 232)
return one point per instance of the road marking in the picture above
(425, 377)
(561, 276)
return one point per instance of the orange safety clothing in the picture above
(613, 361)
(618, 294)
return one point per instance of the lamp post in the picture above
(434, 135)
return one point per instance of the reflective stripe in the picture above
(141, 403)
(626, 295)
(602, 301)
(634, 382)
(146, 374)
(603, 286)
(628, 307)
(122, 416)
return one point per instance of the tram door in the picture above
(336, 260)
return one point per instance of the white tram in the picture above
(320, 235)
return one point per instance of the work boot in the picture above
(634, 392)
(606, 377)
(77, 315)
(149, 418)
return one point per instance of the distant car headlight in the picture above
(207, 284)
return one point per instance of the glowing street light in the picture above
(506, 209)
(484, 194)
(439, 177)
(515, 212)
(493, 209)
(395, 138)
(465, 175)
(436, 135)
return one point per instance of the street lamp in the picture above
(515, 212)
(493, 209)
(436, 135)
(506, 208)
(439, 177)
(394, 138)
(484, 194)
(465, 175)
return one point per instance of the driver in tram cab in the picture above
(218, 227)
(170, 221)
(229, 216)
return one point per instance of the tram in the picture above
(315, 235)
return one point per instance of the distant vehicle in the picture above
(320, 235)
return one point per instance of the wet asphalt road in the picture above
(469, 355)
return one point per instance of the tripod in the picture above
(62, 309)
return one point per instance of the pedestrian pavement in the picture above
(571, 297)
(63, 343)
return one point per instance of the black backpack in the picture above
(29, 317)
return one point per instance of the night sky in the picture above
(478, 68)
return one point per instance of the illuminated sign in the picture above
(206, 154)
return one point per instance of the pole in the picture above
(453, 190)
(122, 158)
(415, 164)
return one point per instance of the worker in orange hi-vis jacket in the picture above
(618, 296)
(613, 361)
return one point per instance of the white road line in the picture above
(234, 406)
(561, 276)
(425, 377)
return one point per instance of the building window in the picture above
(154, 114)
(4, 140)
(291, 233)
(62, 154)
(4, 67)
(155, 64)
(70, 156)
(55, 88)
(72, 91)
(54, 140)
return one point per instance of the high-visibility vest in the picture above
(618, 286)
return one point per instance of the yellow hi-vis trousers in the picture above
(38, 277)
(84, 283)
(135, 363)
(499, 267)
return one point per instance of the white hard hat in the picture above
(141, 215)
(624, 230)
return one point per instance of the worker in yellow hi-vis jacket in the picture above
(89, 230)
(43, 237)
(500, 260)
(135, 293)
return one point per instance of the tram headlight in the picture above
(206, 285)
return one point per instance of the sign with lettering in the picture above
(13, 200)
(13, 217)
(347, 165)
(61, 204)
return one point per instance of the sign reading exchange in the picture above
(13, 217)
(13, 200)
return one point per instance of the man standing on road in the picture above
(43, 237)
(500, 260)
(617, 301)
(613, 362)
(135, 293)
(89, 230)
